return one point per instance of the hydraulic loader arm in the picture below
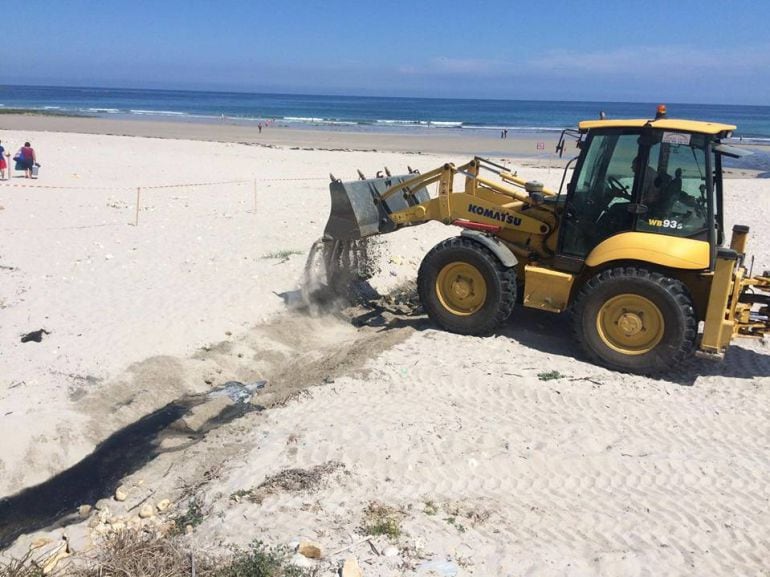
(484, 201)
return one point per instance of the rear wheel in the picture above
(635, 320)
(465, 288)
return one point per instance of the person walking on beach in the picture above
(3, 161)
(260, 127)
(25, 159)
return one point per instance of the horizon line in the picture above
(244, 92)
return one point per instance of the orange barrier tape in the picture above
(60, 187)
(152, 187)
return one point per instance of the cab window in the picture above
(675, 192)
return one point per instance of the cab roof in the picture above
(662, 123)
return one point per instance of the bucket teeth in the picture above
(387, 171)
(361, 175)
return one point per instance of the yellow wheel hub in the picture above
(461, 288)
(630, 324)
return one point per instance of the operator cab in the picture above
(659, 176)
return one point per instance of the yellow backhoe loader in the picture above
(632, 247)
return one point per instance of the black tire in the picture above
(489, 302)
(635, 320)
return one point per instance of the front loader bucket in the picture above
(358, 210)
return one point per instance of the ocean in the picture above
(366, 113)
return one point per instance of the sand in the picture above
(488, 468)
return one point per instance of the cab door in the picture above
(601, 193)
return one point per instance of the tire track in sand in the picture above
(636, 475)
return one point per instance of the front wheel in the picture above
(635, 320)
(465, 288)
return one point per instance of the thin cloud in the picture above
(447, 65)
(665, 61)
(668, 61)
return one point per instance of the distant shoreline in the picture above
(534, 145)
(452, 145)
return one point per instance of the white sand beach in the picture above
(488, 468)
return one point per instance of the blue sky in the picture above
(675, 51)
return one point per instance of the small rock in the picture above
(118, 526)
(188, 529)
(418, 544)
(163, 505)
(301, 561)
(104, 514)
(39, 542)
(146, 511)
(101, 529)
(102, 504)
(84, 511)
(309, 550)
(121, 493)
(390, 551)
(351, 568)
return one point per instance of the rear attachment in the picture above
(752, 314)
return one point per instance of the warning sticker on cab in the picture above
(676, 138)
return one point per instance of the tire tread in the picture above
(676, 291)
(505, 277)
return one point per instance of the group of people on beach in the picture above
(24, 158)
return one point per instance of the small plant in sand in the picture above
(457, 525)
(550, 375)
(281, 254)
(260, 560)
(430, 508)
(380, 519)
(192, 517)
(242, 494)
(460, 514)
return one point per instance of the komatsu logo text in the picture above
(503, 217)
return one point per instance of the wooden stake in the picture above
(138, 195)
